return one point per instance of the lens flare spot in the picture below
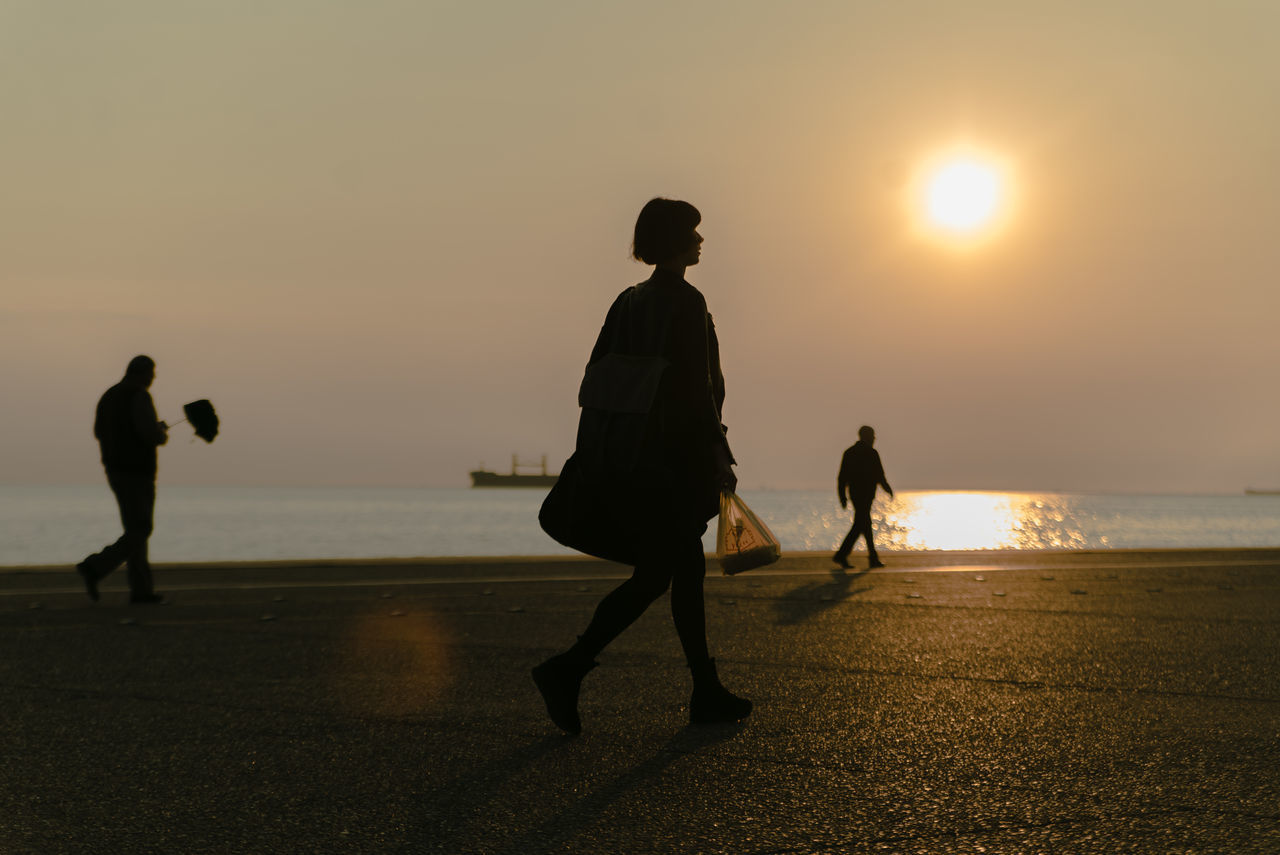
(391, 665)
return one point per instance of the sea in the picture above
(62, 524)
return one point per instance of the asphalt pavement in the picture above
(997, 702)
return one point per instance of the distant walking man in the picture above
(860, 473)
(128, 434)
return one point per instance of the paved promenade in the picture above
(952, 702)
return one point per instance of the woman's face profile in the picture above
(690, 256)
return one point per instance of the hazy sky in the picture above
(382, 236)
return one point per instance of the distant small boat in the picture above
(484, 478)
(1250, 491)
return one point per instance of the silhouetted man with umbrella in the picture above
(860, 473)
(128, 433)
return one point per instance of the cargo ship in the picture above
(483, 478)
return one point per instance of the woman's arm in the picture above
(698, 384)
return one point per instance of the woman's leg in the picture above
(623, 605)
(688, 604)
(559, 679)
(711, 702)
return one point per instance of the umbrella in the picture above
(202, 417)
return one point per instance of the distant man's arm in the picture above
(843, 481)
(145, 422)
(884, 482)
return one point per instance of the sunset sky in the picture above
(381, 236)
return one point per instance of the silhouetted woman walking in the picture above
(650, 429)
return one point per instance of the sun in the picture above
(962, 196)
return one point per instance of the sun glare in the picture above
(961, 197)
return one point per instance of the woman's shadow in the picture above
(809, 600)
(552, 833)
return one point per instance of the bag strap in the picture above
(622, 381)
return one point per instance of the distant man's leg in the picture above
(862, 526)
(136, 494)
(101, 564)
(846, 545)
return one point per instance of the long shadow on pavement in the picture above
(807, 601)
(452, 808)
(552, 833)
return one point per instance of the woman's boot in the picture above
(559, 679)
(711, 702)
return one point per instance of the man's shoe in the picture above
(146, 599)
(875, 563)
(89, 578)
(842, 560)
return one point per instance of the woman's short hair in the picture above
(664, 229)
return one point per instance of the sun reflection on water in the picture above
(952, 520)
(974, 520)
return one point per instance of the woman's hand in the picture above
(726, 478)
